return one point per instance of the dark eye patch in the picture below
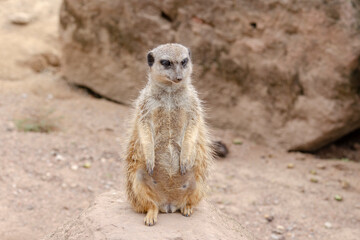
(165, 63)
(184, 62)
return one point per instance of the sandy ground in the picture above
(49, 178)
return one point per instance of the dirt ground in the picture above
(49, 178)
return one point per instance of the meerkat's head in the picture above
(170, 63)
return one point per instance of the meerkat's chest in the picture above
(169, 123)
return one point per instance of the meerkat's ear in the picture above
(189, 52)
(150, 59)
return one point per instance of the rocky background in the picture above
(281, 73)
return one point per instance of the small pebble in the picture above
(30, 207)
(10, 126)
(237, 141)
(269, 218)
(59, 157)
(277, 237)
(314, 180)
(290, 165)
(279, 229)
(337, 197)
(328, 225)
(321, 166)
(291, 227)
(313, 172)
(87, 165)
(74, 167)
(20, 18)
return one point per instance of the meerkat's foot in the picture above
(187, 210)
(151, 217)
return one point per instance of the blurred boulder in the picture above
(110, 217)
(281, 73)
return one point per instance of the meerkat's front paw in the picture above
(150, 167)
(151, 217)
(187, 210)
(186, 164)
(183, 168)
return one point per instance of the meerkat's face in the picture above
(170, 63)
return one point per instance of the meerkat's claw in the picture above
(150, 169)
(186, 211)
(149, 222)
(151, 218)
(182, 169)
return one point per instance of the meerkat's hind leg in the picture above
(192, 200)
(151, 216)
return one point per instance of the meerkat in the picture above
(169, 153)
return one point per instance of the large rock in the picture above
(281, 72)
(112, 218)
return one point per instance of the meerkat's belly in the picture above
(169, 127)
(170, 191)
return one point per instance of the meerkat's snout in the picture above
(178, 79)
(179, 73)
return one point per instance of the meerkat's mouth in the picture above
(173, 80)
(176, 80)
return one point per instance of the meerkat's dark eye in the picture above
(165, 63)
(184, 62)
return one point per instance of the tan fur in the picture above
(168, 154)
